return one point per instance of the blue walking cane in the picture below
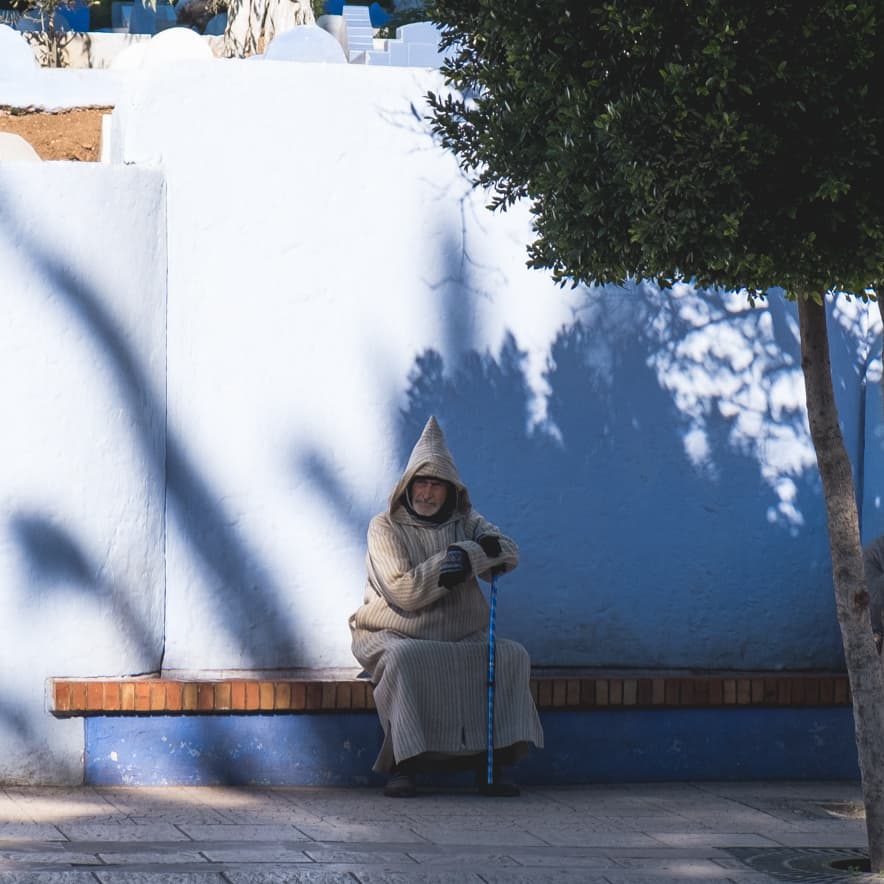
(501, 789)
(490, 735)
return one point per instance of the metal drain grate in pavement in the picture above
(806, 864)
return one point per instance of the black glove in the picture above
(490, 544)
(455, 568)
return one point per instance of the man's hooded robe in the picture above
(425, 646)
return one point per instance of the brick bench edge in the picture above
(69, 697)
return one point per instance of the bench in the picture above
(320, 691)
(321, 728)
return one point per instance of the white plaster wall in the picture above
(316, 249)
(82, 406)
(54, 89)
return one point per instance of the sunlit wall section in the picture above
(82, 399)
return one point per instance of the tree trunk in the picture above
(864, 668)
(252, 24)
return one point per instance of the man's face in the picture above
(428, 495)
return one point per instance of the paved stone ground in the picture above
(622, 834)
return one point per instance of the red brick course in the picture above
(164, 696)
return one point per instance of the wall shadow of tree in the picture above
(53, 552)
(635, 553)
(57, 563)
(224, 555)
(632, 554)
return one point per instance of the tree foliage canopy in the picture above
(734, 142)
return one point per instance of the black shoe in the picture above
(501, 786)
(400, 785)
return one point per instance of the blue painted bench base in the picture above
(582, 746)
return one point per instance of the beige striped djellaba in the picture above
(425, 646)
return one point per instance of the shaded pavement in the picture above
(618, 834)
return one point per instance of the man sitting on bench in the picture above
(421, 633)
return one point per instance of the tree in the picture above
(736, 144)
(51, 41)
(252, 24)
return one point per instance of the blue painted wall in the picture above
(581, 747)
(671, 514)
(870, 416)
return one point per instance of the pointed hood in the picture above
(431, 457)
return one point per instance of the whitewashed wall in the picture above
(316, 250)
(332, 280)
(82, 408)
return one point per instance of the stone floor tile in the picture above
(202, 816)
(123, 876)
(580, 836)
(748, 876)
(439, 876)
(563, 859)
(344, 855)
(544, 876)
(671, 791)
(687, 867)
(256, 853)
(66, 877)
(700, 809)
(454, 857)
(512, 810)
(582, 803)
(713, 839)
(143, 796)
(819, 839)
(820, 826)
(737, 870)
(483, 834)
(30, 832)
(41, 857)
(239, 832)
(147, 857)
(783, 789)
(358, 831)
(334, 801)
(471, 805)
(266, 817)
(724, 825)
(340, 815)
(628, 824)
(661, 878)
(729, 862)
(289, 875)
(123, 831)
(198, 803)
(41, 793)
(226, 800)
